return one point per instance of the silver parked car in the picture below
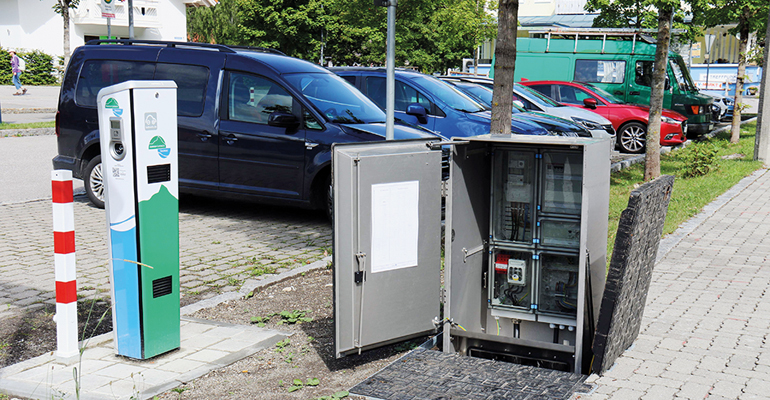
(530, 100)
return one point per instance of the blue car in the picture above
(426, 101)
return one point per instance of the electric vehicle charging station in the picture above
(138, 138)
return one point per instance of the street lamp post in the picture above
(709, 41)
(390, 66)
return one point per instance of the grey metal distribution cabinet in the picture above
(387, 236)
(525, 245)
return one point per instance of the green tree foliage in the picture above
(750, 17)
(218, 24)
(641, 14)
(430, 35)
(40, 70)
(751, 13)
(63, 7)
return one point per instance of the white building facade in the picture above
(33, 25)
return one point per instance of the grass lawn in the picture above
(690, 195)
(31, 125)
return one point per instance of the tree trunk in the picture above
(652, 158)
(505, 61)
(743, 23)
(762, 140)
(66, 31)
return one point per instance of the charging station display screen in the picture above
(114, 124)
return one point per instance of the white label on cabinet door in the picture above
(395, 225)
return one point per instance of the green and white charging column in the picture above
(138, 134)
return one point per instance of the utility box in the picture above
(525, 246)
(138, 137)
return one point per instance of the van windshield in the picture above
(335, 98)
(682, 75)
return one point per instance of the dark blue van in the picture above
(251, 122)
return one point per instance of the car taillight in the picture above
(56, 129)
(695, 109)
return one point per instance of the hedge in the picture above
(40, 68)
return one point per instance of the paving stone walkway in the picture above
(205, 346)
(706, 326)
(222, 244)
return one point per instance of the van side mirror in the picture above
(590, 103)
(518, 103)
(282, 120)
(668, 83)
(418, 111)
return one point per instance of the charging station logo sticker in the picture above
(113, 104)
(151, 121)
(157, 143)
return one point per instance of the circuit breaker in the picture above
(524, 252)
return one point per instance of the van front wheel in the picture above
(94, 181)
(631, 137)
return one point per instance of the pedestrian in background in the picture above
(16, 69)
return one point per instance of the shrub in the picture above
(699, 159)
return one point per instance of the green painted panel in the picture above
(159, 248)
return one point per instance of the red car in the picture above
(629, 120)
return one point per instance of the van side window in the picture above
(643, 73)
(98, 74)
(191, 83)
(600, 71)
(310, 121)
(252, 99)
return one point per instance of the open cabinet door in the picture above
(387, 233)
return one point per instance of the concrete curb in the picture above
(689, 226)
(252, 284)
(38, 110)
(5, 133)
(615, 167)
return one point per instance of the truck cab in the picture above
(618, 61)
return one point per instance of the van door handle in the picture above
(618, 92)
(230, 139)
(204, 136)
(634, 93)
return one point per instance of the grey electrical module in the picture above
(525, 245)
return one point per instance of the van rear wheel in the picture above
(631, 137)
(94, 181)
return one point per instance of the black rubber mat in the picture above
(434, 375)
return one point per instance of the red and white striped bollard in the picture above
(64, 264)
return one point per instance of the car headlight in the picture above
(668, 120)
(590, 125)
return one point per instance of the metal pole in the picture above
(109, 36)
(390, 62)
(130, 19)
(707, 71)
(762, 139)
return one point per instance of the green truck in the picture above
(618, 62)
